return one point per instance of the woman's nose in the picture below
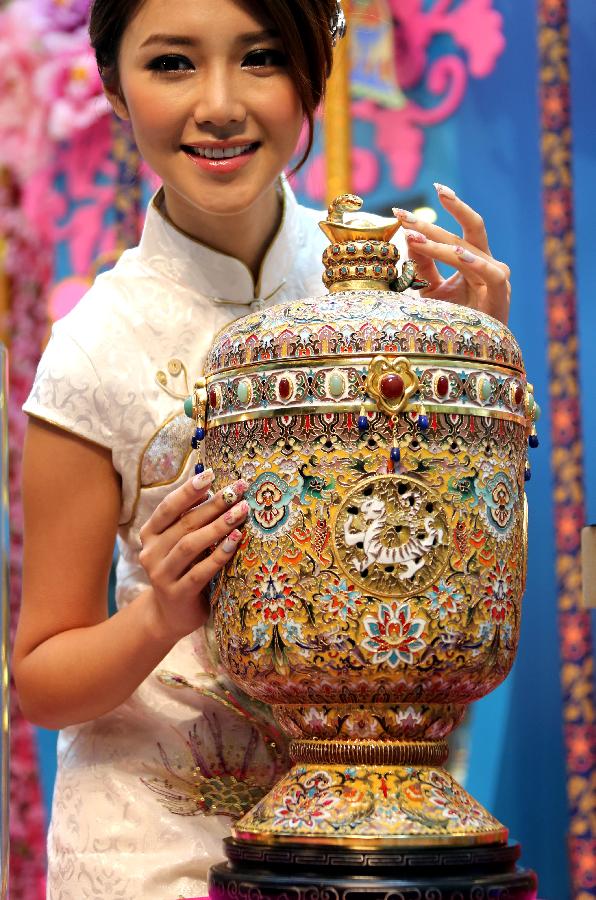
(219, 101)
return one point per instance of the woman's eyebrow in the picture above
(254, 37)
(179, 40)
(172, 40)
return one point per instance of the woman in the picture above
(157, 750)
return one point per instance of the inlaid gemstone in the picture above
(285, 388)
(244, 391)
(392, 387)
(337, 384)
(442, 386)
(213, 399)
(518, 395)
(484, 389)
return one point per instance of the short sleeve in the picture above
(67, 391)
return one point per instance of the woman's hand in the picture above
(184, 544)
(480, 281)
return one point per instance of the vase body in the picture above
(372, 598)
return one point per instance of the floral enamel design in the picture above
(394, 637)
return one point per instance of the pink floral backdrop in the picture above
(72, 197)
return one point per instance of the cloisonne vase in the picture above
(377, 590)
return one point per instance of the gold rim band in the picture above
(320, 409)
(370, 753)
(471, 839)
(345, 360)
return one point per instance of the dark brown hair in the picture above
(303, 27)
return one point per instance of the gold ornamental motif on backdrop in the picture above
(391, 536)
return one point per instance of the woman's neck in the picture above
(246, 236)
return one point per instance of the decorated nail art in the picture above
(444, 191)
(232, 541)
(233, 492)
(404, 215)
(199, 482)
(237, 513)
(466, 255)
(416, 238)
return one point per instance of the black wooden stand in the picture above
(298, 872)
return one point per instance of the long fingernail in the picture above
(466, 255)
(416, 238)
(202, 480)
(232, 541)
(234, 491)
(404, 215)
(237, 513)
(444, 191)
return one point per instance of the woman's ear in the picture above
(117, 102)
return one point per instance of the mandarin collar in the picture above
(224, 279)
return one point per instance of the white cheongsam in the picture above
(144, 794)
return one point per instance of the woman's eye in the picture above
(171, 63)
(265, 58)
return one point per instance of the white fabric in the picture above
(111, 835)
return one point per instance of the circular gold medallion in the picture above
(391, 536)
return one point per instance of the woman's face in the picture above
(212, 106)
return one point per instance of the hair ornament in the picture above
(338, 24)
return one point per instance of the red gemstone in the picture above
(519, 395)
(285, 388)
(442, 386)
(213, 398)
(392, 387)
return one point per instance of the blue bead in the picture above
(200, 434)
(199, 469)
(533, 441)
(395, 454)
(423, 423)
(363, 423)
(528, 474)
(195, 444)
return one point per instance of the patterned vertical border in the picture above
(567, 452)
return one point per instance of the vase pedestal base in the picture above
(299, 872)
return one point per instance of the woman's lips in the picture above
(222, 166)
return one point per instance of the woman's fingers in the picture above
(488, 287)
(472, 223)
(474, 231)
(202, 573)
(176, 504)
(194, 543)
(477, 268)
(426, 268)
